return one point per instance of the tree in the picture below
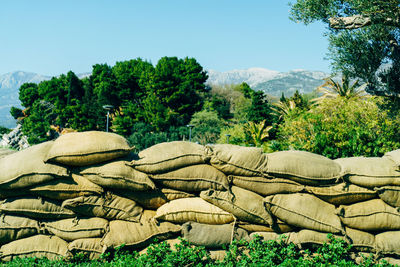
(364, 38)
(207, 126)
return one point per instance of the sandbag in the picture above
(342, 193)
(304, 211)
(265, 236)
(393, 156)
(212, 236)
(109, 206)
(266, 186)
(51, 247)
(117, 175)
(26, 168)
(168, 156)
(389, 194)
(370, 172)
(36, 208)
(87, 148)
(193, 178)
(16, 227)
(5, 151)
(140, 234)
(361, 241)
(77, 228)
(303, 167)
(311, 238)
(243, 204)
(154, 199)
(388, 242)
(62, 189)
(370, 215)
(278, 227)
(91, 247)
(238, 160)
(192, 209)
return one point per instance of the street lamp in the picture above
(227, 138)
(108, 108)
(190, 126)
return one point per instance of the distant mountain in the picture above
(271, 82)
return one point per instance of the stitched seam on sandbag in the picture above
(165, 160)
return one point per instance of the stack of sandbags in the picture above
(86, 192)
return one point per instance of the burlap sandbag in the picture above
(91, 247)
(37, 208)
(16, 227)
(154, 199)
(109, 206)
(311, 238)
(393, 156)
(341, 194)
(389, 194)
(87, 148)
(265, 236)
(370, 215)
(192, 209)
(5, 151)
(193, 178)
(51, 247)
(26, 168)
(238, 160)
(304, 211)
(77, 228)
(370, 172)
(303, 167)
(212, 236)
(243, 204)
(117, 175)
(360, 241)
(278, 227)
(139, 234)
(266, 186)
(388, 242)
(62, 189)
(169, 156)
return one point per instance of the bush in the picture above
(341, 127)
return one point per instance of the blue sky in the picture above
(52, 37)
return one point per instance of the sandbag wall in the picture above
(86, 192)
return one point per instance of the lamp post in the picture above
(190, 126)
(108, 108)
(227, 138)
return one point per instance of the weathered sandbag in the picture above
(193, 178)
(109, 206)
(266, 186)
(36, 208)
(370, 172)
(393, 156)
(370, 215)
(51, 247)
(278, 227)
(169, 156)
(389, 194)
(77, 228)
(154, 199)
(117, 175)
(212, 236)
(238, 160)
(341, 194)
(5, 151)
(61, 189)
(390, 260)
(243, 204)
(265, 236)
(87, 148)
(16, 227)
(304, 211)
(311, 238)
(90, 247)
(303, 167)
(26, 168)
(192, 209)
(361, 241)
(388, 242)
(217, 254)
(139, 234)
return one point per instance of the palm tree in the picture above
(257, 133)
(284, 108)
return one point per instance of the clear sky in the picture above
(51, 37)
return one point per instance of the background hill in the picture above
(270, 81)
